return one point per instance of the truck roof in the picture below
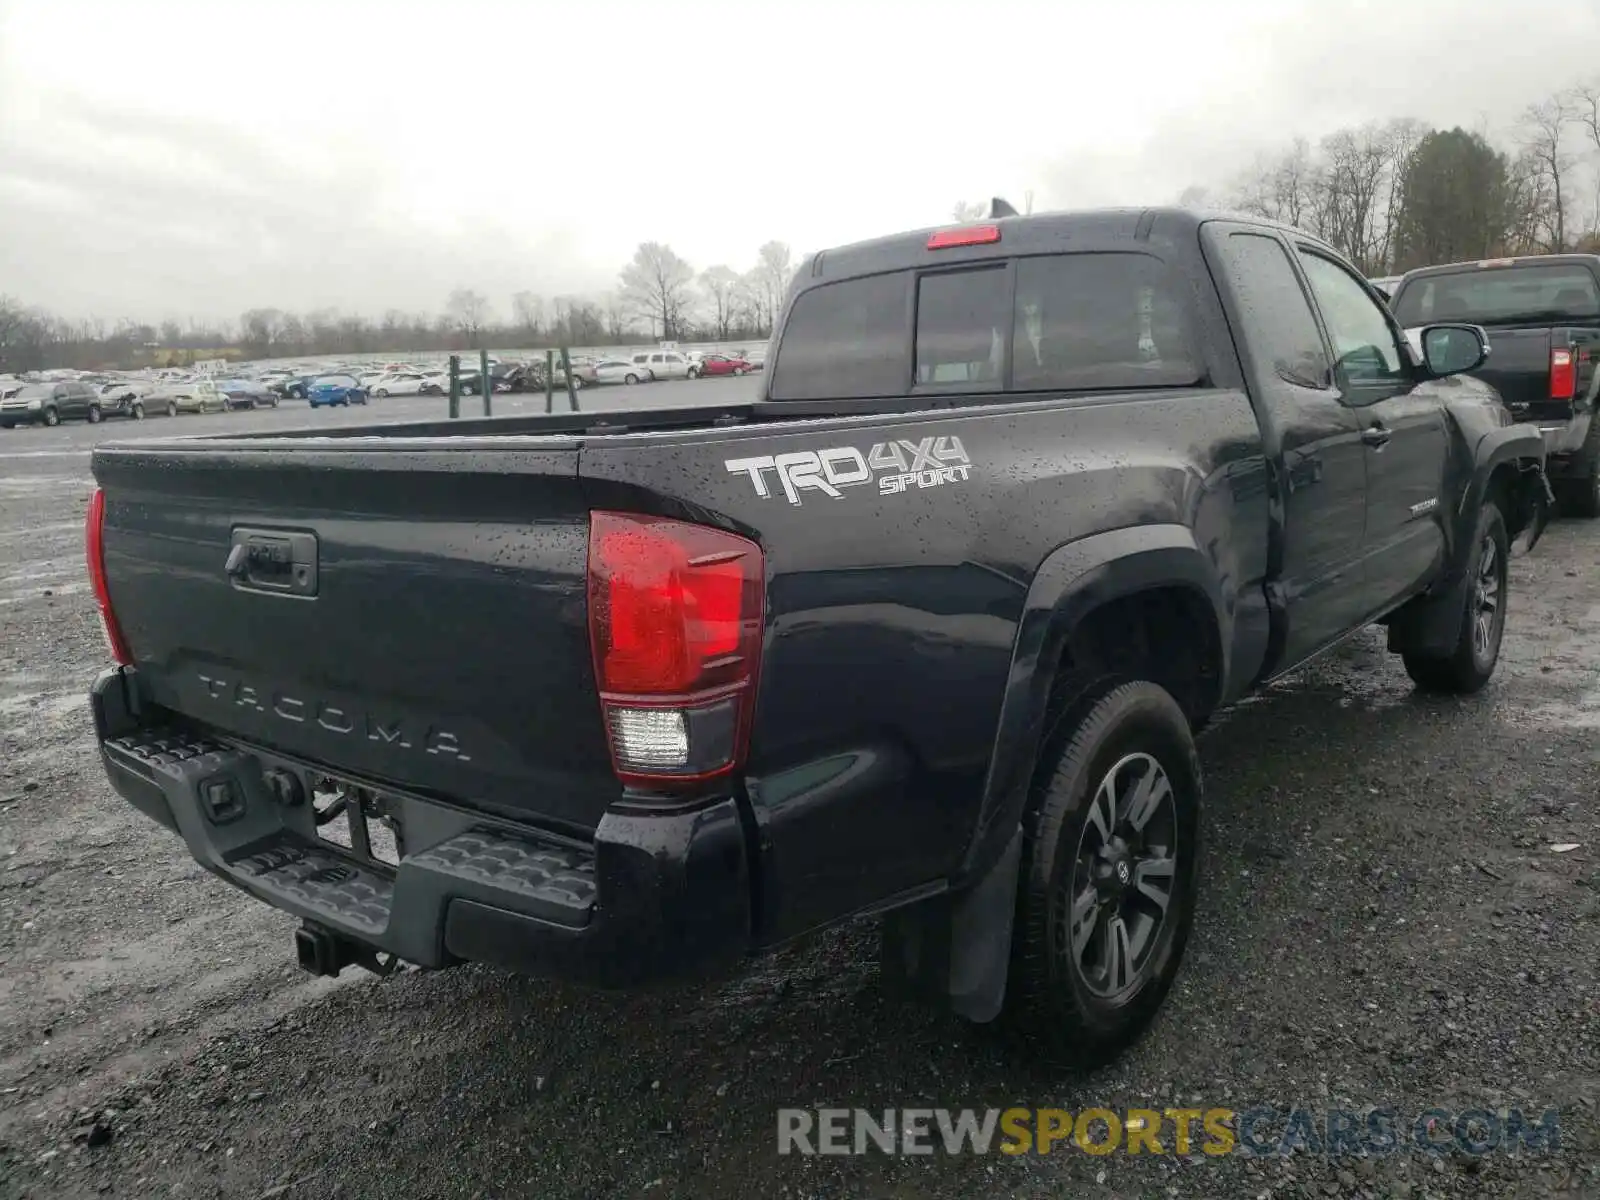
(1517, 260)
(1039, 233)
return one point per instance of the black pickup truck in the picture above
(924, 631)
(1542, 315)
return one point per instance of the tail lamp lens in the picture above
(1563, 374)
(675, 614)
(94, 546)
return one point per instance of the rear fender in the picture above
(1073, 581)
(956, 944)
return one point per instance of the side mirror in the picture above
(1453, 349)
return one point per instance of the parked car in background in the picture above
(619, 370)
(1386, 285)
(125, 398)
(187, 396)
(724, 364)
(398, 383)
(340, 390)
(295, 387)
(667, 364)
(1542, 317)
(50, 404)
(247, 393)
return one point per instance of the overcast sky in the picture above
(196, 159)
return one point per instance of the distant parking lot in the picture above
(297, 414)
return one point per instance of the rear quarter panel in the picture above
(893, 607)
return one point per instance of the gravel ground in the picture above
(1383, 923)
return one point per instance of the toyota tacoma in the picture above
(924, 631)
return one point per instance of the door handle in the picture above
(1376, 436)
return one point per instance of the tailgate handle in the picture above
(276, 561)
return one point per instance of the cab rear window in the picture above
(1040, 324)
(1530, 293)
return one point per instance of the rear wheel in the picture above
(1471, 663)
(1109, 875)
(382, 393)
(93, 414)
(630, 378)
(738, 370)
(138, 411)
(172, 408)
(52, 417)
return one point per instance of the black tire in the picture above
(1580, 492)
(93, 415)
(1483, 622)
(137, 411)
(630, 378)
(52, 417)
(172, 408)
(1067, 1001)
(8, 425)
(382, 393)
(738, 370)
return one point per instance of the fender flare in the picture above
(1072, 581)
(1431, 623)
(1522, 446)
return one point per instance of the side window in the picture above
(962, 319)
(1100, 320)
(845, 340)
(1282, 330)
(1364, 347)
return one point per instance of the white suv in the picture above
(667, 364)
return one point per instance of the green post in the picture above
(566, 370)
(486, 382)
(455, 386)
(549, 380)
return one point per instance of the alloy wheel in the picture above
(1123, 876)
(1488, 601)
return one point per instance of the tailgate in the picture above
(1519, 369)
(412, 615)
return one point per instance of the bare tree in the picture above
(968, 210)
(1354, 183)
(1585, 100)
(721, 286)
(616, 314)
(1542, 128)
(469, 310)
(657, 286)
(1280, 188)
(527, 310)
(774, 269)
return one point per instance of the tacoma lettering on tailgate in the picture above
(334, 718)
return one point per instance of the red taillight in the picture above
(971, 235)
(675, 614)
(1563, 374)
(94, 545)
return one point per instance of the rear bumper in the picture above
(651, 897)
(1562, 441)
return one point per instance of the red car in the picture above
(722, 364)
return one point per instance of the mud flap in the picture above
(1536, 500)
(957, 947)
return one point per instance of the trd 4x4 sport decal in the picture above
(897, 466)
